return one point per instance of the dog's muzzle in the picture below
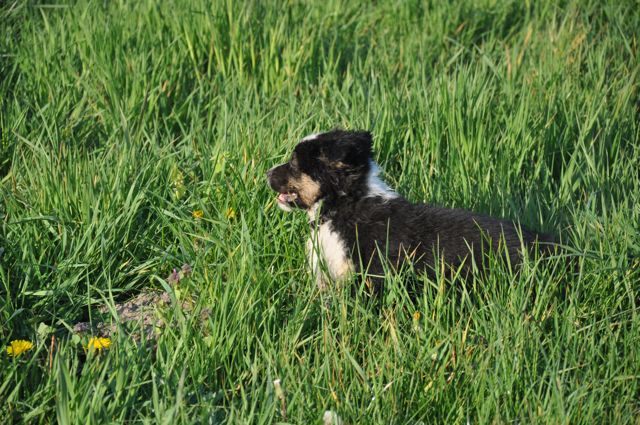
(286, 198)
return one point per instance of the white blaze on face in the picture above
(375, 186)
(310, 137)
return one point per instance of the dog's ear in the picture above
(351, 149)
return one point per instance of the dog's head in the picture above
(323, 166)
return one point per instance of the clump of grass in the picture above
(120, 120)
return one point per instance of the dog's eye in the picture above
(294, 162)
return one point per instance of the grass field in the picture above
(120, 119)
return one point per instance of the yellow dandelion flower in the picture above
(98, 344)
(416, 316)
(18, 347)
(230, 214)
(198, 214)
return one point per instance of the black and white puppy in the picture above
(358, 222)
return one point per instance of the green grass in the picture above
(119, 119)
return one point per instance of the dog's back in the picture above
(396, 230)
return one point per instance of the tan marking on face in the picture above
(308, 189)
(333, 164)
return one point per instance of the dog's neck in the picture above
(371, 186)
(314, 212)
(375, 185)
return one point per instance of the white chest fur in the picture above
(328, 256)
